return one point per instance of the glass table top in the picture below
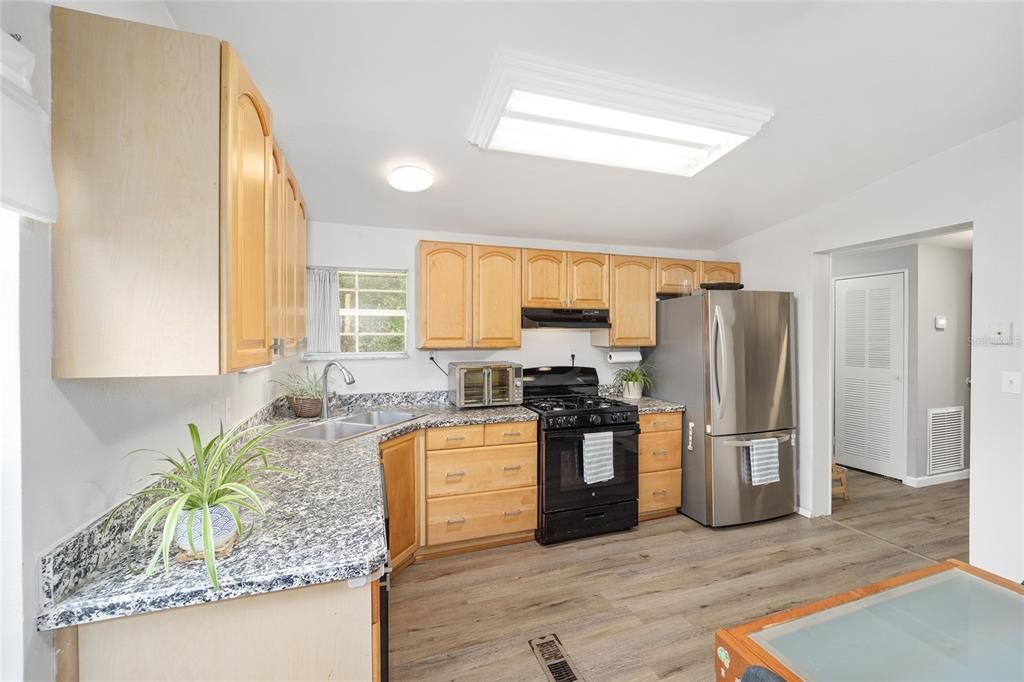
(948, 626)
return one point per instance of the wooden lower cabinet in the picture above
(468, 517)
(660, 463)
(402, 478)
(660, 491)
(478, 470)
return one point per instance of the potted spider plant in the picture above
(304, 393)
(198, 504)
(634, 380)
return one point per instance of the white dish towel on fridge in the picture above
(598, 463)
(764, 461)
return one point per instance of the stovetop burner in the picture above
(573, 402)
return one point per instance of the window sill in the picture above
(327, 357)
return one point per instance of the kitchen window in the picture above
(372, 309)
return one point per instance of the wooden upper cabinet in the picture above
(588, 280)
(545, 278)
(677, 276)
(632, 301)
(247, 180)
(497, 309)
(276, 284)
(300, 275)
(445, 308)
(717, 271)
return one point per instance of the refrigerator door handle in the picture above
(719, 363)
(747, 443)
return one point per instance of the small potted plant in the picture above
(198, 504)
(634, 381)
(304, 393)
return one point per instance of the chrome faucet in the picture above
(325, 409)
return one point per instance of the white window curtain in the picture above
(324, 332)
(26, 174)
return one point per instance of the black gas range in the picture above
(567, 400)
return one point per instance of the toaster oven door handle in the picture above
(487, 385)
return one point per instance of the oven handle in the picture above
(577, 433)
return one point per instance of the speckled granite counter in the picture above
(654, 406)
(324, 523)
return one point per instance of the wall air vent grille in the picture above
(945, 439)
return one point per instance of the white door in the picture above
(870, 428)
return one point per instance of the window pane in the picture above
(374, 300)
(348, 343)
(348, 324)
(381, 344)
(389, 280)
(381, 324)
(347, 280)
(349, 300)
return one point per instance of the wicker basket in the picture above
(305, 407)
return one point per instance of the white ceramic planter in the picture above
(632, 390)
(224, 529)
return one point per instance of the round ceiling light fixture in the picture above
(410, 179)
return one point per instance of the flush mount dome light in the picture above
(546, 108)
(410, 179)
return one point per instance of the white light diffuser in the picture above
(410, 179)
(545, 108)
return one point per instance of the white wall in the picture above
(351, 246)
(76, 434)
(943, 356)
(976, 182)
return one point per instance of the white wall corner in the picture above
(936, 479)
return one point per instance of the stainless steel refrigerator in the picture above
(729, 357)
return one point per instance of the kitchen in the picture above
(119, 361)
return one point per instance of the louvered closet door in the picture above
(869, 402)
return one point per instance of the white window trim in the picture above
(327, 357)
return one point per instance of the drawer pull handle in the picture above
(660, 453)
(456, 521)
(659, 422)
(455, 474)
(660, 492)
(455, 438)
(513, 434)
(517, 512)
(513, 467)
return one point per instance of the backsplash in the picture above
(71, 562)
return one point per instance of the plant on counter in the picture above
(634, 381)
(198, 503)
(304, 393)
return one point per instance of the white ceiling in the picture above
(859, 91)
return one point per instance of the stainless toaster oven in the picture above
(485, 384)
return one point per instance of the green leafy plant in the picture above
(215, 474)
(639, 375)
(306, 385)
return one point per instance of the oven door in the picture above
(562, 485)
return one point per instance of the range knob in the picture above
(595, 419)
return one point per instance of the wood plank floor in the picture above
(644, 605)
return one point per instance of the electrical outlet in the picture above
(432, 355)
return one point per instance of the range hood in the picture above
(589, 318)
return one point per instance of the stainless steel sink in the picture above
(377, 418)
(329, 430)
(349, 425)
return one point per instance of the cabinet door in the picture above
(291, 265)
(678, 276)
(276, 253)
(445, 307)
(715, 271)
(545, 277)
(399, 459)
(246, 184)
(301, 227)
(588, 280)
(632, 301)
(497, 309)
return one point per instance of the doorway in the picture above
(870, 381)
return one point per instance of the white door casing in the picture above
(870, 345)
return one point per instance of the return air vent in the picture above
(556, 663)
(945, 439)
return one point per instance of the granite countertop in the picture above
(325, 523)
(648, 405)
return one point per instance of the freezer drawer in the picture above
(732, 499)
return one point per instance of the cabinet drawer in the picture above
(667, 421)
(660, 450)
(452, 437)
(660, 490)
(516, 432)
(465, 517)
(477, 470)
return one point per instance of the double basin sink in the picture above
(347, 426)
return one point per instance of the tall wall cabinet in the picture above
(179, 248)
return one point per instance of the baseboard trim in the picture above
(925, 481)
(804, 512)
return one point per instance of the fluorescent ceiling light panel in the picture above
(545, 108)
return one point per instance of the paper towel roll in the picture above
(624, 357)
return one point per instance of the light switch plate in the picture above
(940, 322)
(1011, 382)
